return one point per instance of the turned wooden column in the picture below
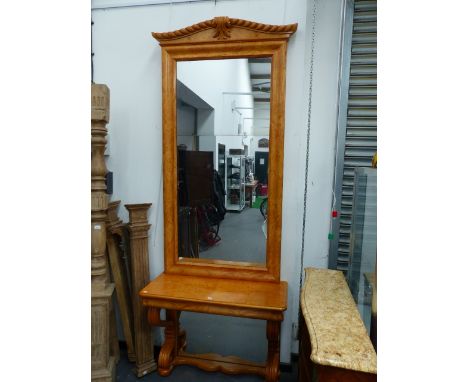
(139, 263)
(102, 363)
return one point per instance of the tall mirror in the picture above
(223, 86)
(223, 131)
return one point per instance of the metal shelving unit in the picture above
(235, 182)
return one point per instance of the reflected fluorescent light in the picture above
(245, 93)
(252, 108)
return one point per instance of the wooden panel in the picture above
(223, 310)
(196, 177)
(222, 29)
(305, 364)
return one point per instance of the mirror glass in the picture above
(223, 125)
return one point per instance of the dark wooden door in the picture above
(195, 178)
(222, 163)
(261, 166)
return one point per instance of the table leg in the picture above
(174, 341)
(272, 365)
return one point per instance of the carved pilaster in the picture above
(102, 364)
(99, 119)
(138, 227)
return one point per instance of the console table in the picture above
(334, 344)
(254, 299)
(217, 286)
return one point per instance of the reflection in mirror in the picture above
(223, 121)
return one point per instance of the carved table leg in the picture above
(272, 365)
(182, 340)
(174, 341)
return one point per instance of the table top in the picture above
(248, 295)
(337, 334)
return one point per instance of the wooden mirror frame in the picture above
(224, 38)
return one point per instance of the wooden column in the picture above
(138, 227)
(102, 363)
(114, 237)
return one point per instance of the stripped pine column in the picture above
(140, 277)
(102, 363)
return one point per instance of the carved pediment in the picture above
(223, 29)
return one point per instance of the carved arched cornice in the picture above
(224, 26)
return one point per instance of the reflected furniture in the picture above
(230, 288)
(334, 343)
(194, 189)
(235, 183)
(249, 191)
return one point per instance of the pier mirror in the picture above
(223, 91)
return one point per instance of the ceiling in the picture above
(260, 78)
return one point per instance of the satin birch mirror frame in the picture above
(223, 38)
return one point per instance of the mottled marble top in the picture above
(337, 334)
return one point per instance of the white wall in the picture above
(208, 143)
(128, 60)
(255, 143)
(322, 132)
(186, 125)
(209, 79)
(262, 119)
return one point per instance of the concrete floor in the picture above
(242, 238)
(191, 374)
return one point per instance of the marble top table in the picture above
(337, 334)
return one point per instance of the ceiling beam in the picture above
(264, 89)
(260, 76)
(260, 60)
